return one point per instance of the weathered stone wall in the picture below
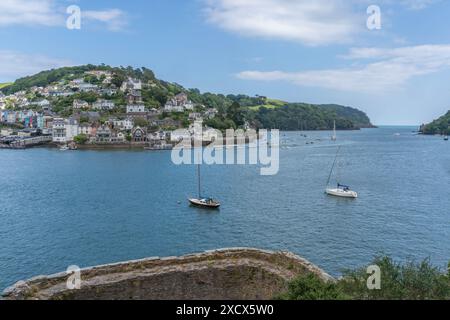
(240, 273)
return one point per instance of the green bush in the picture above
(311, 287)
(80, 139)
(407, 281)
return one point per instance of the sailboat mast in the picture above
(334, 164)
(199, 187)
(334, 137)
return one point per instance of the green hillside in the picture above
(2, 85)
(438, 126)
(234, 110)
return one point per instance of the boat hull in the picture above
(342, 193)
(202, 204)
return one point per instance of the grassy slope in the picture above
(270, 104)
(2, 85)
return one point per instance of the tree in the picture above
(234, 113)
(140, 122)
(80, 139)
(311, 287)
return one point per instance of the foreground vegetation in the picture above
(439, 126)
(407, 281)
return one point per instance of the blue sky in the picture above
(296, 50)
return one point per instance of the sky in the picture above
(309, 51)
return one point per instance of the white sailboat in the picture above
(201, 201)
(334, 136)
(341, 190)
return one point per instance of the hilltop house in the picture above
(103, 105)
(80, 104)
(179, 103)
(131, 84)
(136, 108)
(211, 113)
(42, 103)
(87, 87)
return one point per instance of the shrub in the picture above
(399, 281)
(408, 281)
(311, 287)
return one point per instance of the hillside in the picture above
(233, 110)
(2, 85)
(438, 126)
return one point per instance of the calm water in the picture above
(88, 207)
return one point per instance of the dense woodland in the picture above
(439, 126)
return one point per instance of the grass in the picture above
(2, 85)
(270, 104)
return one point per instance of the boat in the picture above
(341, 190)
(446, 138)
(64, 148)
(202, 202)
(334, 136)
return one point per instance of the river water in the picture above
(93, 207)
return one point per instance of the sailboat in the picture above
(343, 191)
(201, 201)
(334, 136)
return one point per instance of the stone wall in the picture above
(239, 273)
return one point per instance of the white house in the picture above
(103, 105)
(64, 130)
(131, 84)
(125, 124)
(135, 108)
(59, 130)
(72, 129)
(170, 107)
(80, 104)
(43, 103)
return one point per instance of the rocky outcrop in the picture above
(239, 273)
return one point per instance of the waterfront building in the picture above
(139, 134)
(59, 130)
(124, 124)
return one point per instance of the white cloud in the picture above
(388, 69)
(313, 23)
(115, 19)
(52, 13)
(418, 4)
(29, 12)
(14, 64)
